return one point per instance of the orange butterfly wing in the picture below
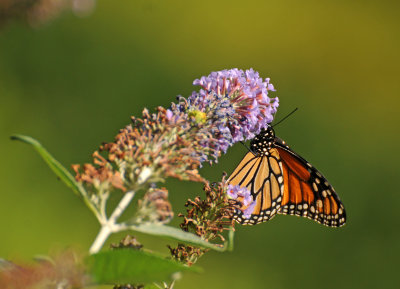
(306, 192)
(262, 176)
(282, 182)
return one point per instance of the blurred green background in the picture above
(73, 82)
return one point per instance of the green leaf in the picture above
(177, 235)
(128, 266)
(56, 167)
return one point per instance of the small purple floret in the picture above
(169, 114)
(244, 196)
(249, 210)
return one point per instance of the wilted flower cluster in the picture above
(207, 218)
(100, 175)
(154, 207)
(148, 150)
(153, 147)
(129, 242)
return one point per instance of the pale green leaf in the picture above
(54, 165)
(177, 235)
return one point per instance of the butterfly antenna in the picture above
(243, 143)
(286, 117)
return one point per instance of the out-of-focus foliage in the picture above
(74, 82)
(37, 12)
(64, 270)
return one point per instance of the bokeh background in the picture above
(73, 82)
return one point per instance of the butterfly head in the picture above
(262, 143)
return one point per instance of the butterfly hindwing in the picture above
(307, 193)
(262, 176)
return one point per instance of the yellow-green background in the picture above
(74, 82)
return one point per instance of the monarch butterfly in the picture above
(282, 182)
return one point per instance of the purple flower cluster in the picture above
(233, 105)
(244, 196)
(247, 95)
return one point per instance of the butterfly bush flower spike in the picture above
(231, 106)
(247, 94)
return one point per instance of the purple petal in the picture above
(249, 210)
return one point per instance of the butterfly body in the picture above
(282, 182)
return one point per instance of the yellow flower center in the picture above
(199, 116)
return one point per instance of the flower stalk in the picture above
(110, 226)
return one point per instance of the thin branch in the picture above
(110, 226)
(102, 236)
(123, 204)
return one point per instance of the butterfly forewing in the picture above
(262, 176)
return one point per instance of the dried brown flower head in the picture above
(207, 219)
(100, 175)
(128, 241)
(154, 207)
(186, 254)
(164, 147)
